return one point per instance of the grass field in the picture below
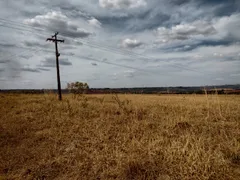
(120, 137)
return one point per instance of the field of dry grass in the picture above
(120, 137)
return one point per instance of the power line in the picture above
(115, 64)
(17, 27)
(23, 25)
(103, 47)
(135, 54)
(112, 50)
(36, 50)
(19, 24)
(21, 47)
(14, 54)
(84, 58)
(122, 52)
(26, 49)
(109, 63)
(14, 23)
(87, 44)
(125, 66)
(105, 62)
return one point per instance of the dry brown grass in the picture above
(120, 137)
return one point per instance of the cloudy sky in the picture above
(120, 43)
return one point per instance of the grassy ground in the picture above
(120, 137)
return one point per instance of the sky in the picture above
(120, 43)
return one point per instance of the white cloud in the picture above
(94, 22)
(27, 82)
(228, 26)
(131, 43)
(235, 75)
(198, 56)
(129, 74)
(185, 31)
(56, 21)
(219, 51)
(219, 79)
(114, 76)
(122, 4)
(217, 54)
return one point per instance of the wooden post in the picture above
(54, 39)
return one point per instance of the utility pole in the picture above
(54, 39)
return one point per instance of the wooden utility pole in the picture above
(54, 39)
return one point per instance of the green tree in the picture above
(77, 87)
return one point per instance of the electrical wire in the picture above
(121, 51)
(128, 53)
(101, 47)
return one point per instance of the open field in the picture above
(120, 137)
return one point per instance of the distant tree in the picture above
(77, 87)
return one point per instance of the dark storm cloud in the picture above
(65, 62)
(226, 9)
(88, 58)
(122, 4)
(193, 45)
(11, 68)
(178, 11)
(25, 56)
(148, 20)
(231, 58)
(114, 21)
(43, 69)
(138, 22)
(3, 80)
(179, 2)
(7, 45)
(213, 2)
(214, 43)
(126, 59)
(27, 69)
(4, 61)
(35, 43)
(94, 64)
(221, 7)
(74, 11)
(51, 62)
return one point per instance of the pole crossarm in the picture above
(54, 40)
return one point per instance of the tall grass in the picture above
(120, 137)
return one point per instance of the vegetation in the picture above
(77, 87)
(120, 137)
